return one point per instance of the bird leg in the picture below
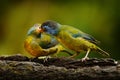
(74, 55)
(86, 56)
(67, 52)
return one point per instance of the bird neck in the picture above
(55, 32)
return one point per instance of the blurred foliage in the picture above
(100, 18)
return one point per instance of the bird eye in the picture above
(44, 28)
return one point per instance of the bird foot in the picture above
(85, 58)
(46, 58)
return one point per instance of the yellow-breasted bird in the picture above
(72, 38)
(38, 44)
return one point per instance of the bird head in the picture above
(35, 30)
(50, 27)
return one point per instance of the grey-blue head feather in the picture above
(50, 27)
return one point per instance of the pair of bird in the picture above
(41, 44)
(61, 38)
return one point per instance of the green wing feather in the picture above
(86, 37)
(47, 41)
(77, 33)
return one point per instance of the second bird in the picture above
(72, 38)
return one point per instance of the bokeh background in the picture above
(100, 18)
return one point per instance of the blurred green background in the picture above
(100, 18)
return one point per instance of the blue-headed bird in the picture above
(72, 38)
(38, 44)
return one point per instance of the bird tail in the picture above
(104, 53)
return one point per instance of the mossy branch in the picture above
(23, 68)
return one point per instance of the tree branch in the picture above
(19, 67)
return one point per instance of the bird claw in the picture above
(46, 58)
(84, 59)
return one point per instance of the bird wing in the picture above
(47, 41)
(90, 38)
(52, 43)
(86, 37)
(77, 33)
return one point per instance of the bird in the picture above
(38, 44)
(72, 38)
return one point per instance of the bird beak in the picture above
(41, 30)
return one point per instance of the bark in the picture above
(19, 67)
